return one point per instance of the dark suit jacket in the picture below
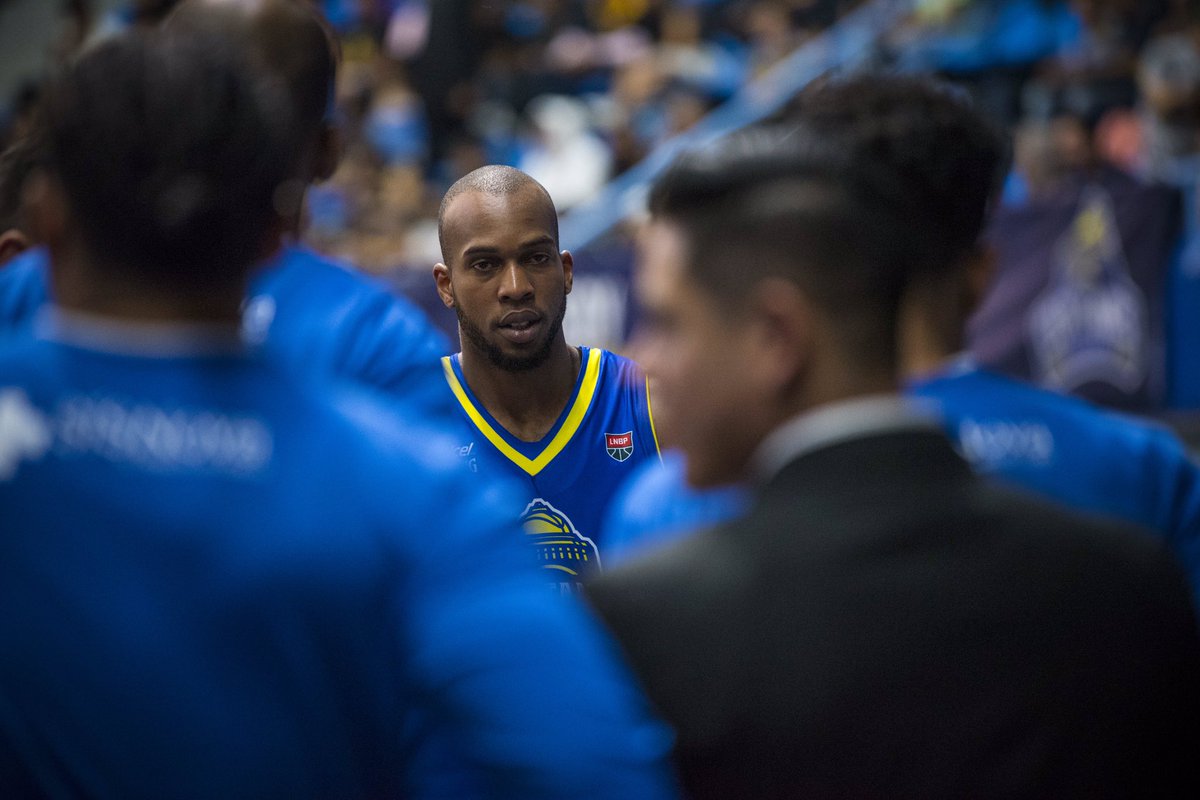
(884, 623)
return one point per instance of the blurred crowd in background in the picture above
(1098, 234)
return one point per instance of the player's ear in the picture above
(441, 279)
(568, 262)
(12, 243)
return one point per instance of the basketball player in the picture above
(568, 422)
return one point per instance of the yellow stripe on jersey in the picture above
(583, 401)
(650, 413)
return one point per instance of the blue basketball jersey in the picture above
(570, 475)
(222, 581)
(656, 506)
(1068, 450)
(306, 312)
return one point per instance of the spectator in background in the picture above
(198, 601)
(567, 158)
(1083, 261)
(140, 14)
(1165, 146)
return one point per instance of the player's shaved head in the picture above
(495, 180)
(289, 37)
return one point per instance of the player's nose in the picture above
(515, 283)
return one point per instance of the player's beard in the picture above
(498, 357)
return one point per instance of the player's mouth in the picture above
(520, 327)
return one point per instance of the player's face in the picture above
(505, 278)
(700, 357)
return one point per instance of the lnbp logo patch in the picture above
(620, 445)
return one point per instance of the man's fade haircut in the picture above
(772, 202)
(496, 180)
(290, 38)
(171, 153)
(947, 158)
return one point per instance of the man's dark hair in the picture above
(291, 39)
(16, 164)
(873, 182)
(768, 203)
(171, 154)
(496, 180)
(947, 158)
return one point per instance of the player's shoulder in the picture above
(986, 391)
(614, 374)
(615, 362)
(392, 429)
(299, 268)
(24, 285)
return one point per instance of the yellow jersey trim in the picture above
(650, 413)
(579, 409)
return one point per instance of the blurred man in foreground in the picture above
(217, 580)
(882, 621)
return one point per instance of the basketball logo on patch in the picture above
(620, 445)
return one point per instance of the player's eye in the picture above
(538, 258)
(483, 265)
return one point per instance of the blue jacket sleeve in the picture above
(527, 687)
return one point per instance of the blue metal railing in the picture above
(848, 43)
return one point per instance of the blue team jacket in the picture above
(218, 580)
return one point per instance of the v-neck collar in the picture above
(532, 457)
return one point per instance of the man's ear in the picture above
(568, 262)
(12, 243)
(445, 289)
(784, 327)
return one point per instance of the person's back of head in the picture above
(948, 157)
(291, 41)
(163, 159)
(949, 161)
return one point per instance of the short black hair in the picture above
(172, 155)
(948, 159)
(768, 203)
(291, 39)
(496, 180)
(16, 164)
(874, 182)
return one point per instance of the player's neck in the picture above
(928, 340)
(526, 403)
(78, 285)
